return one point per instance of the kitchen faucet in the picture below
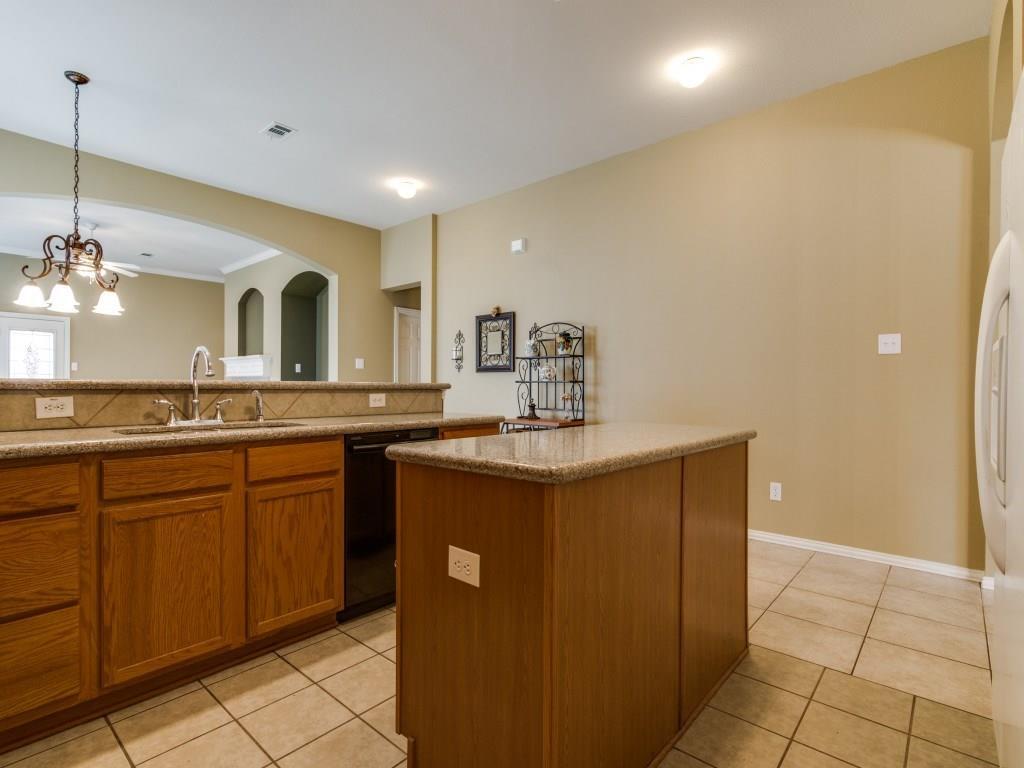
(204, 353)
(259, 404)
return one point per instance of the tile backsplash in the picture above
(130, 407)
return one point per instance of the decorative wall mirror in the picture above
(495, 341)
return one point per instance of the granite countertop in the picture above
(38, 385)
(565, 455)
(70, 442)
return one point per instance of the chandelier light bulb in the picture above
(62, 299)
(108, 304)
(31, 295)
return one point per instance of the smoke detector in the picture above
(277, 131)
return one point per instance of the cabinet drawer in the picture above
(173, 473)
(39, 660)
(32, 489)
(275, 461)
(38, 562)
(451, 433)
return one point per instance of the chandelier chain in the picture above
(76, 158)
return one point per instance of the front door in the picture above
(33, 346)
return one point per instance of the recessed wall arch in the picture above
(250, 323)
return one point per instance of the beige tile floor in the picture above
(326, 700)
(851, 663)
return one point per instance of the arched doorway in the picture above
(304, 324)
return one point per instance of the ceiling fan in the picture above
(127, 270)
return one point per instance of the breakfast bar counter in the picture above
(570, 597)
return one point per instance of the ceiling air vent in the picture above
(278, 131)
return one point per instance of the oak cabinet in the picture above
(172, 583)
(452, 433)
(295, 551)
(39, 660)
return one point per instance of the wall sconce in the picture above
(460, 340)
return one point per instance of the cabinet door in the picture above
(172, 583)
(295, 552)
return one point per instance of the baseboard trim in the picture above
(988, 582)
(928, 566)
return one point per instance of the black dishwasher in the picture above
(370, 519)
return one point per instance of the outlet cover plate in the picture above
(378, 400)
(464, 566)
(890, 343)
(55, 407)
(774, 491)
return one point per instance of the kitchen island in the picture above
(567, 598)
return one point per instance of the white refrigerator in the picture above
(999, 448)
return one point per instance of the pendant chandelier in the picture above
(69, 254)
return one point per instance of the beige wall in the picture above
(408, 258)
(165, 318)
(740, 275)
(29, 166)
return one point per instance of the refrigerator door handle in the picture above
(993, 510)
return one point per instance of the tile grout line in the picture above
(803, 714)
(117, 738)
(910, 733)
(874, 612)
(237, 721)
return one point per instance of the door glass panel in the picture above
(31, 354)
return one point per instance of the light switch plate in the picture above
(298, 367)
(890, 343)
(518, 246)
(360, 363)
(464, 566)
(774, 491)
(378, 400)
(55, 407)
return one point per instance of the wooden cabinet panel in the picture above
(272, 462)
(39, 661)
(172, 583)
(295, 552)
(714, 569)
(38, 488)
(452, 433)
(39, 562)
(173, 473)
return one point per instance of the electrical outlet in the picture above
(464, 566)
(378, 400)
(890, 343)
(298, 367)
(360, 363)
(774, 491)
(55, 407)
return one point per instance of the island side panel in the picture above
(471, 660)
(714, 570)
(616, 617)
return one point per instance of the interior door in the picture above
(408, 348)
(33, 346)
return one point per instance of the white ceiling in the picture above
(474, 97)
(179, 248)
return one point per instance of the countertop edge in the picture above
(564, 473)
(125, 443)
(58, 385)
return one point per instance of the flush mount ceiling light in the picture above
(70, 253)
(690, 70)
(406, 188)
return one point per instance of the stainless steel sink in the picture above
(163, 429)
